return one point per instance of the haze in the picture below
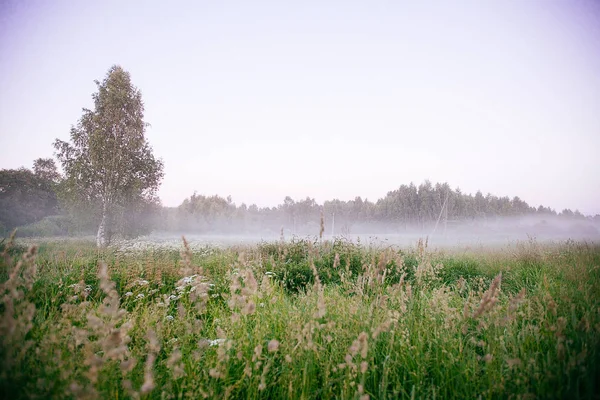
(262, 100)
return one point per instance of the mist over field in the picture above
(498, 232)
(435, 213)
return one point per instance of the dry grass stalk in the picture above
(175, 364)
(489, 297)
(111, 343)
(244, 290)
(153, 347)
(17, 312)
(318, 288)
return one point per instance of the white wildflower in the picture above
(216, 342)
(170, 318)
(128, 294)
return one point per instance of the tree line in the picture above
(109, 179)
(409, 207)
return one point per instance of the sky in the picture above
(262, 100)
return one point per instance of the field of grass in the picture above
(300, 319)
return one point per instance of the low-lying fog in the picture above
(496, 232)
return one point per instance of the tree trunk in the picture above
(102, 238)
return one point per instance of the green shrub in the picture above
(55, 225)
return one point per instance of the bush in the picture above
(55, 225)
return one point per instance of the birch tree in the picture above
(108, 164)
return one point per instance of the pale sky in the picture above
(259, 100)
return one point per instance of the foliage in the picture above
(409, 208)
(46, 169)
(520, 322)
(54, 225)
(25, 197)
(110, 170)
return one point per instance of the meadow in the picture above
(300, 319)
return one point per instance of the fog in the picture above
(495, 232)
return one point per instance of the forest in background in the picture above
(30, 200)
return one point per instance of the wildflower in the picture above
(269, 273)
(216, 342)
(189, 279)
(140, 296)
(128, 294)
(170, 318)
(173, 297)
(142, 282)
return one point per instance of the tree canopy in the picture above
(25, 197)
(410, 207)
(110, 170)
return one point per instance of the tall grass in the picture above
(301, 319)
